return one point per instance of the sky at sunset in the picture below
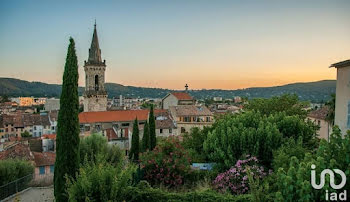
(166, 44)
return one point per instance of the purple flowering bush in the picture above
(235, 180)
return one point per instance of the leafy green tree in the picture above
(193, 143)
(146, 138)
(152, 129)
(4, 98)
(134, 151)
(290, 148)
(26, 134)
(67, 157)
(294, 126)
(237, 135)
(287, 103)
(96, 146)
(13, 169)
(331, 113)
(293, 183)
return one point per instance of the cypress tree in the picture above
(67, 151)
(152, 129)
(145, 138)
(134, 151)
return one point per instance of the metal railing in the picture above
(32, 180)
(15, 186)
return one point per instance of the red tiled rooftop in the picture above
(19, 151)
(182, 96)
(49, 136)
(112, 116)
(44, 158)
(320, 113)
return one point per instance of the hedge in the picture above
(144, 193)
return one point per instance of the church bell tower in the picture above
(95, 95)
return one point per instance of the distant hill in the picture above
(313, 91)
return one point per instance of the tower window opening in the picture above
(96, 83)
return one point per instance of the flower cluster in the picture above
(235, 180)
(167, 164)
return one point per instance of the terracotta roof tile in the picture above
(112, 116)
(320, 113)
(163, 120)
(191, 110)
(182, 96)
(44, 158)
(49, 136)
(19, 150)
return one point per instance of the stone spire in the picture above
(95, 51)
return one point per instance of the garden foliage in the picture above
(168, 164)
(235, 180)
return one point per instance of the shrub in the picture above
(293, 183)
(167, 164)
(12, 169)
(99, 181)
(235, 180)
(147, 193)
(96, 145)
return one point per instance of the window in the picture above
(125, 124)
(98, 128)
(183, 130)
(160, 130)
(96, 83)
(349, 114)
(52, 169)
(42, 170)
(319, 123)
(170, 130)
(34, 127)
(187, 119)
(208, 119)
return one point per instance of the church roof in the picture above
(95, 51)
(182, 96)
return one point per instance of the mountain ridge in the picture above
(316, 91)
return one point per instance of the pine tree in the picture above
(152, 129)
(145, 138)
(134, 151)
(67, 152)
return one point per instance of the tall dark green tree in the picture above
(135, 149)
(331, 113)
(145, 138)
(152, 129)
(67, 152)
